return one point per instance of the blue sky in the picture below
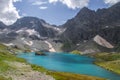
(56, 13)
(52, 11)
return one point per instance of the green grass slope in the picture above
(109, 61)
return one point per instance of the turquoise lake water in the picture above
(70, 63)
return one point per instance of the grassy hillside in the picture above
(6, 55)
(75, 52)
(2, 78)
(110, 61)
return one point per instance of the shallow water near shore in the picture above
(65, 62)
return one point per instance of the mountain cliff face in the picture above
(88, 23)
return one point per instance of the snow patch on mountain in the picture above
(51, 48)
(21, 30)
(9, 44)
(49, 26)
(31, 31)
(29, 43)
(6, 31)
(22, 38)
(101, 41)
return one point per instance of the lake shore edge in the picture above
(107, 63)
(65, 75)
(107, 68)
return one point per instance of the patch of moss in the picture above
(110, 65)
(38, 68)
(109, 61)
(2, 78)
(4, 67)
(76, 52)
(108, 56)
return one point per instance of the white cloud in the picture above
(24, 14)
(111, 2)
(38, 3)
(17, 0)
(73, 4)
(43, 7)
(53, 1)
(8, 12)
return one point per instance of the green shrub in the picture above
(3, 78)
(66, 46)
(76, 52)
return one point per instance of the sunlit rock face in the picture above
(101, 41)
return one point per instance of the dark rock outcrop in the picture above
(2, 25)
(40, 53)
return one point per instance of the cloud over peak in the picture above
(111, 2)
(73, 4)
(39, 3)
(17, 0)
(8, 13)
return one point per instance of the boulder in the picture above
(40, 53)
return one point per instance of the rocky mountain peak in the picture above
(88, 23)
(85, 12)
(26, 22)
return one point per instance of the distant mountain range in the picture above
(88, 31)
(28, 32)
